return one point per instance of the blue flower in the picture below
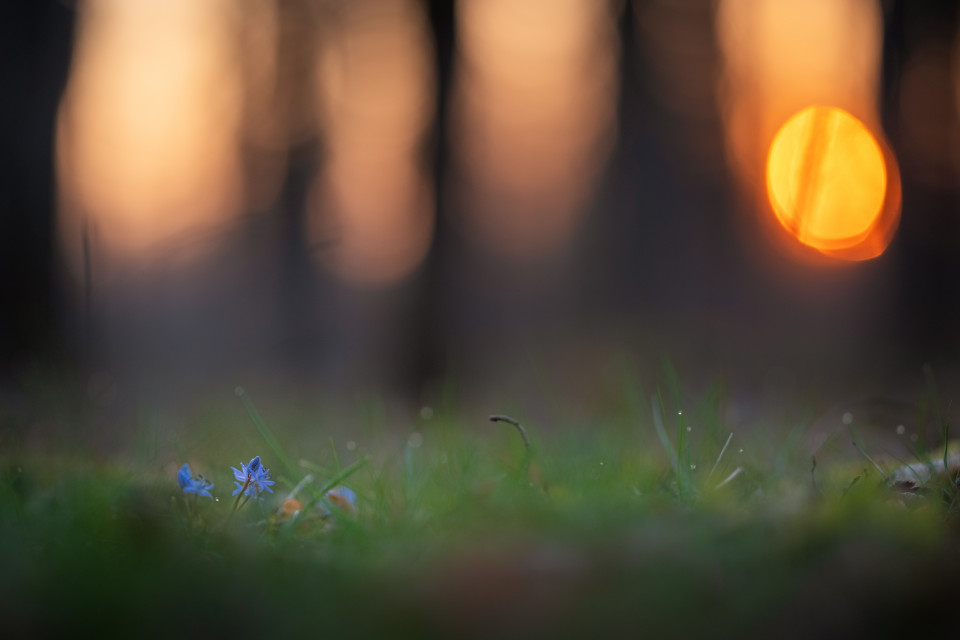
(342, 497)
(189, 484)
(252, 478)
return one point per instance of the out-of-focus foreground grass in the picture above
(660, 527)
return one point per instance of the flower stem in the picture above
(236, 504)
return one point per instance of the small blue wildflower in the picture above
(183, 476)
(252, 478)
(340, 496)
(343, 497)
(189, 484)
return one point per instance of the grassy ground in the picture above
(659, 524)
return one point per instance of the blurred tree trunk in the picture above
(36, 40)
(927, 298)
(428, 326)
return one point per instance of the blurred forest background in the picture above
(517, 195)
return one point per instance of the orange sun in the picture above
(831, 184)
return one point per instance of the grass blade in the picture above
(720, 457)
(267, 434)
(343, 475)
(662, 431)
(870, 460)
(729, 478)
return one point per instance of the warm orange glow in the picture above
(371, 214)
(146, 140)
(827, 180)
(783, 55)
(533, 117)
(779, 57)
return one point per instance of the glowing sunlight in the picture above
(826, 178)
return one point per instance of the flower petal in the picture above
(184, 475)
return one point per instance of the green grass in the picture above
(633, 527)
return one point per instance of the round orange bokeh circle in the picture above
(832, 185)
